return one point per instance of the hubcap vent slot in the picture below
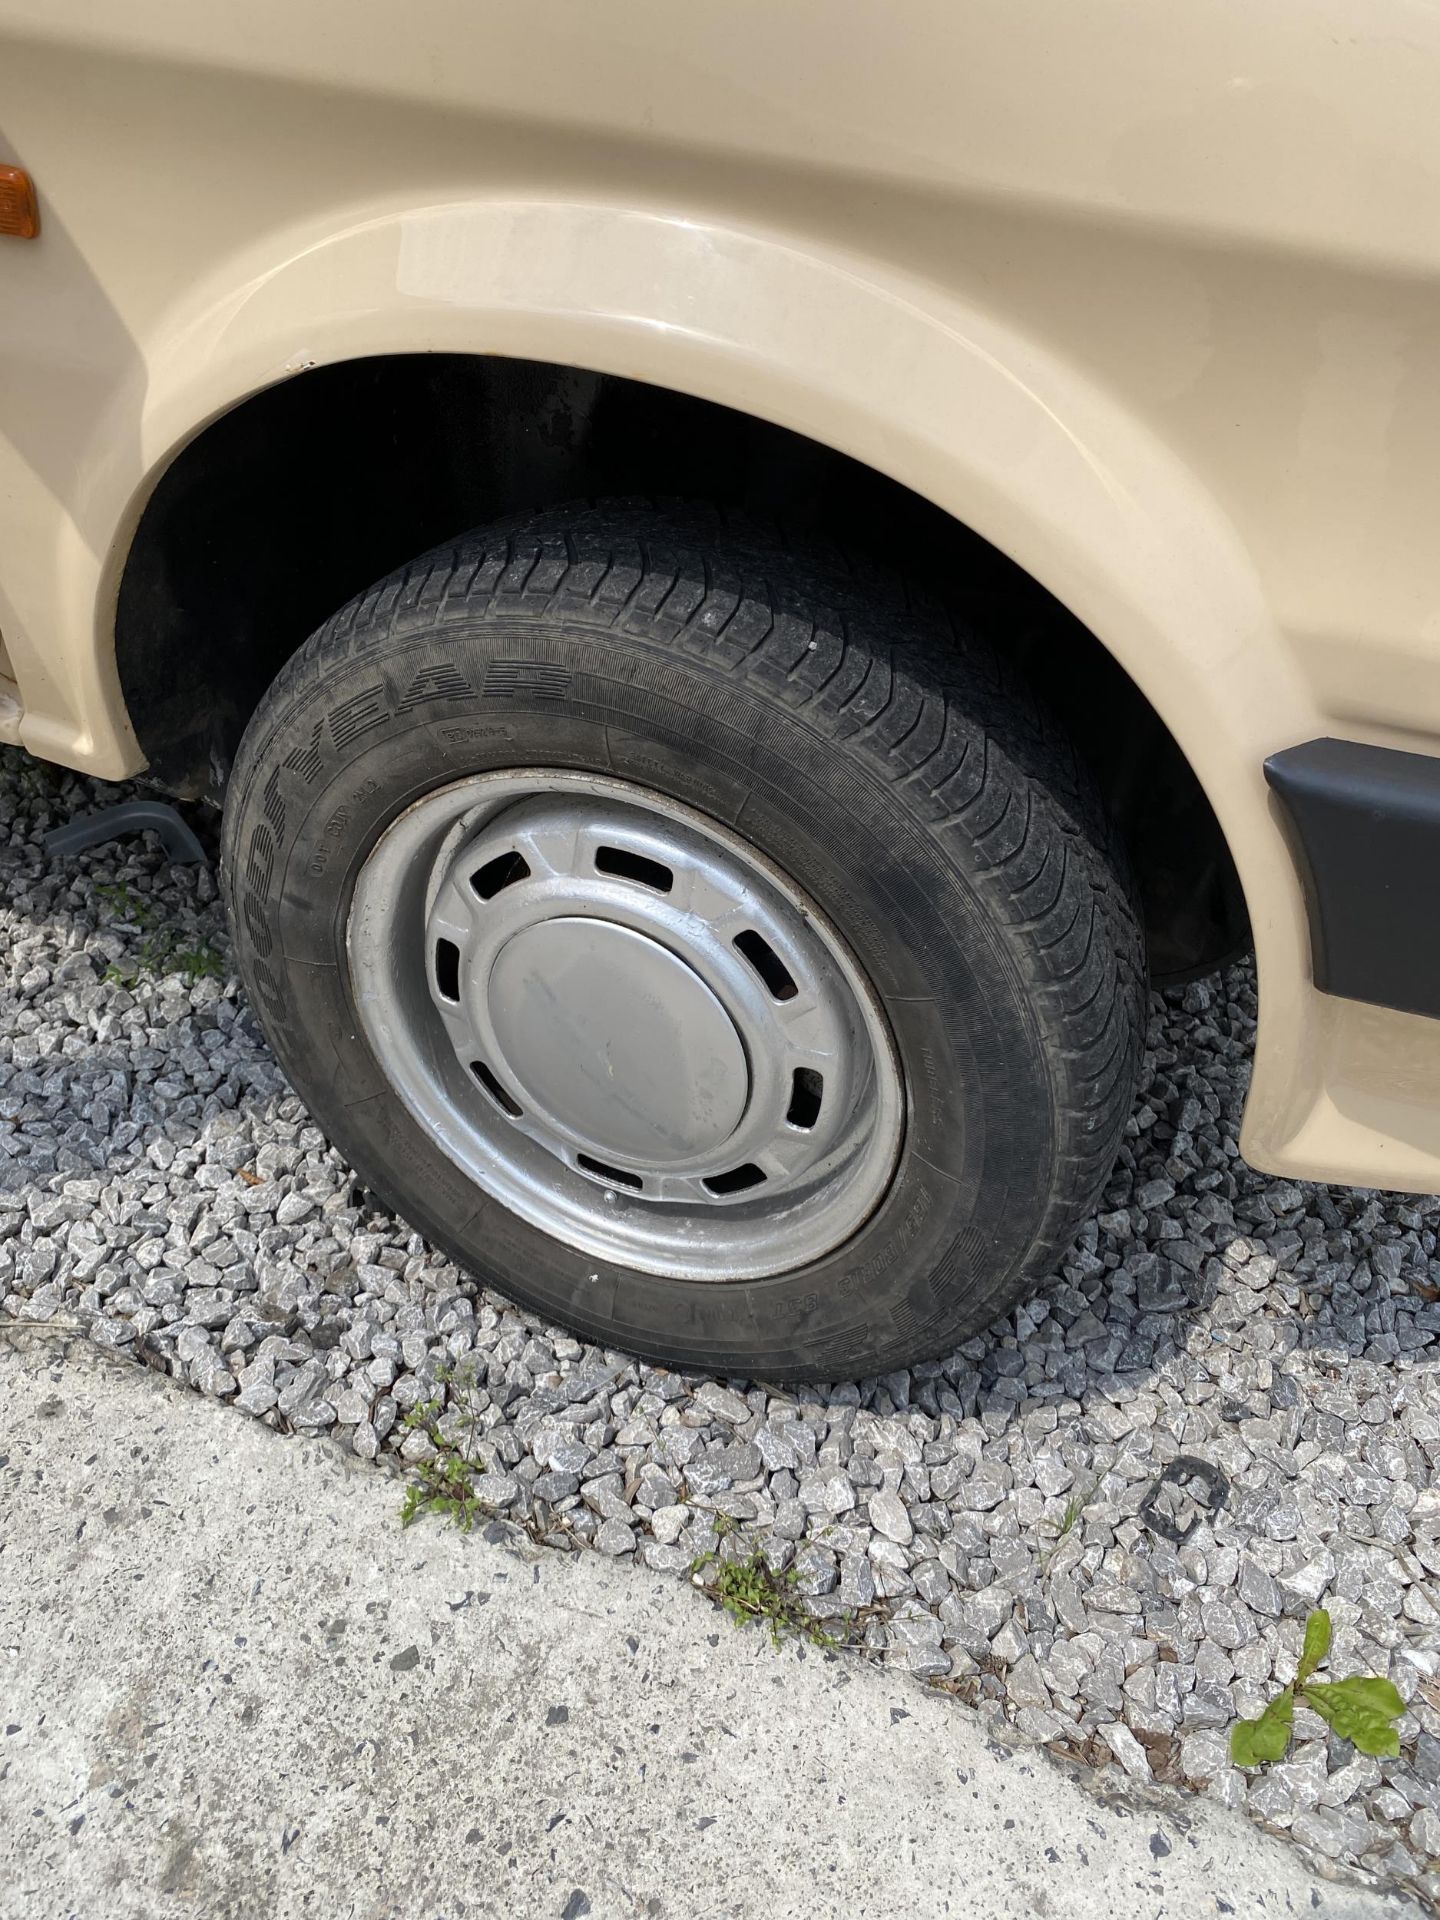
(807, 1090)
(626, 865)
(611, 1176)
(447, 969)
(501, 872)
(506, 1102)
(767, 963)
(737, 1180)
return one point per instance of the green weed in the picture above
(751, 1590)
(162, 949)
(1360, 1709)
(1074, 1507)
(1068, 1520)
(444, 1484)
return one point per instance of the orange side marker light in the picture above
(19, 213)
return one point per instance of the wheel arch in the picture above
(943, 398)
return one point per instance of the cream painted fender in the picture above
(936, 394)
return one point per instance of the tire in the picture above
(935, 830)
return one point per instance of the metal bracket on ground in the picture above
(1188, 1482)
(130, 816)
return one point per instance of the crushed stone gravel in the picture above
(975, 1518)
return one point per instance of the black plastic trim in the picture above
(1366, 827)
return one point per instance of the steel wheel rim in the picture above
(625, 1025)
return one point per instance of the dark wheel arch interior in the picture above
(282, 509)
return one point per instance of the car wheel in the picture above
(698, 942)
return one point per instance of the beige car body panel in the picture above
(1149, 297)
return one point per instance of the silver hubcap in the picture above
(625, 1025)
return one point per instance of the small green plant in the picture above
(1360, 1709)
(444, 1484)
(1074, 1507)
(161, 953)
(162, 950)
(752, 1590)
(1068, 1520)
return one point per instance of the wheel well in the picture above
(283, 508)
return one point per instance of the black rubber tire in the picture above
(879, 757)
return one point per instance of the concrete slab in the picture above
(231, 1686)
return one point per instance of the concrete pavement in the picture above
(230, 1686)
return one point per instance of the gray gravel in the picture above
(160, 1185)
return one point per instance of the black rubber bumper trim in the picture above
(1366, 828)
